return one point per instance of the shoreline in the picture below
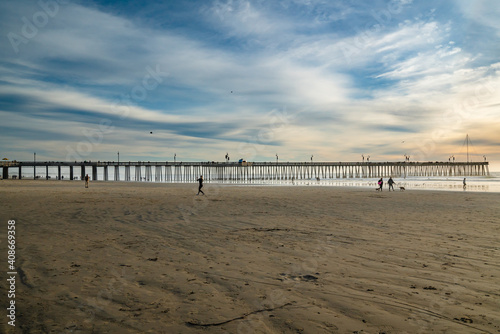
(427, 184)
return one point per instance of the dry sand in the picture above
(156, 258)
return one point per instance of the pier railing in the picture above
(164, 171)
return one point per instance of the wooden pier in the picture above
(240, 172)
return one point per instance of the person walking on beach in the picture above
(200, 180)
(380, 183)
(465, 184)
(87, 181)
(391, 183)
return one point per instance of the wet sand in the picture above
(156, 258)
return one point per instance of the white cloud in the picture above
(443, 60)
(484, 12)
(86, 58)
(243, 19)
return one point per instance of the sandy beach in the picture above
(155, 258)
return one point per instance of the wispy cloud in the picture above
(353, 78)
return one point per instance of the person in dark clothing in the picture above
(391, 184)
(87, 181)
(200, 180)
(380, 183)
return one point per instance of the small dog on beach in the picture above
(402, 189)
(378, 189)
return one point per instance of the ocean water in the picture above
(489, 183)
(475, 184)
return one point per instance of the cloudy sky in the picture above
(82, 80)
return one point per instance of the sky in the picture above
(258, 80)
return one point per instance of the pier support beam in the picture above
(158, 174)
(138, 176)
(5, 173)
(71, 173)
(127, 173)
